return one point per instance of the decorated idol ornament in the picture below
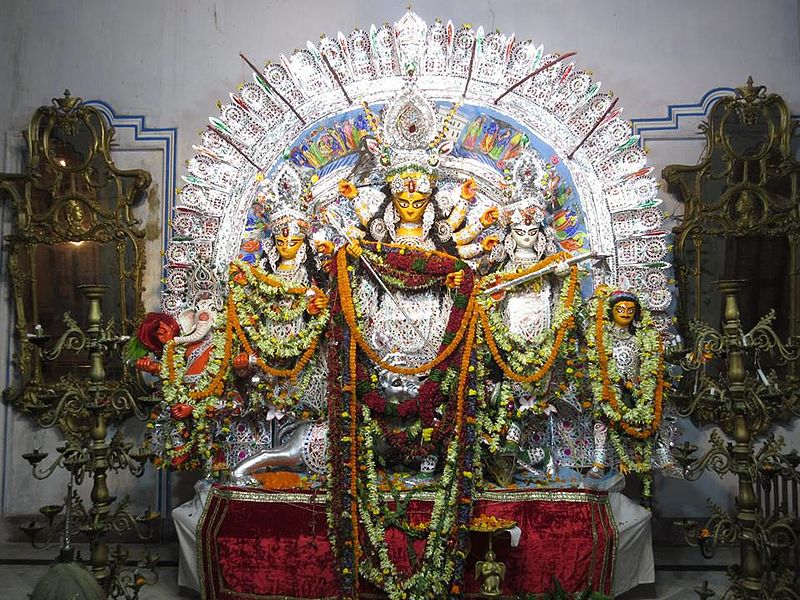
(410, 158)
(597, 470)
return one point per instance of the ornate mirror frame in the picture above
(744, 189)
(741, 224)
(74, 225)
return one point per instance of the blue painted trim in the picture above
(167, 138)
(671, 122)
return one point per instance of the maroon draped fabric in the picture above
(264, 544)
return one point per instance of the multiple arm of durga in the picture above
(412, 212)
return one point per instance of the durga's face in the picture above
(288, 245)
(410, 206)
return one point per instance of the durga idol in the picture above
(415, 213)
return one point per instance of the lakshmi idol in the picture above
(268, 334)
(282, 311)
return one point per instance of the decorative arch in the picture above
(505, 96)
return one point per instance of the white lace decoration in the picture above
(625, 351)
(315, 448)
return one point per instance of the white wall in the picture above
(171, 60)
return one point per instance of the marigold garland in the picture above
(643, 420)
(642, 448)
(447, 531)
(339, 497)
(563, 322)
(441, 559)
(446, 537)
(348, 308)
(289, 373)
(493, 420)
(201, 405)
(218, 365)
(351, 353)
(464, 371)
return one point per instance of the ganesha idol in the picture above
(191, 330)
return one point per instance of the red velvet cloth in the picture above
(262, 544)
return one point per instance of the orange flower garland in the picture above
(170, 358)
(609, 394)
(351, 355)
(464, 371)
(348, 308)
(275, 282)
(568, 324)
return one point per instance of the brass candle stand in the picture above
(91, 405)
(724, 383)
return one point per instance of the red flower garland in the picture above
(417, 269)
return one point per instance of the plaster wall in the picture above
(170, 62)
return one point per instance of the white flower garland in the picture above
(630, 425)
(255, 300)
(438, 565)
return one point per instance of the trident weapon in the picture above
(572, 260)
(338, 224)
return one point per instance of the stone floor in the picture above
(678, 572)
